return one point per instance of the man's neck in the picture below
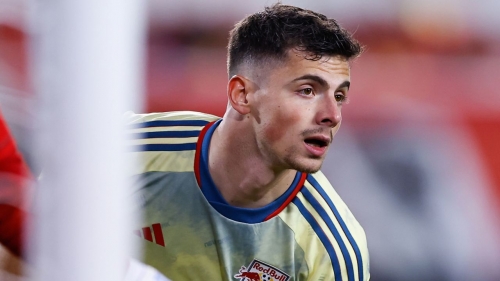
(240, 172)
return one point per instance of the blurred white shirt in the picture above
(138, 271)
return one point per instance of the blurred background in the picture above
(418, 157)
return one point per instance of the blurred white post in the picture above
(88, 72)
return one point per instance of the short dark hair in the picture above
(270, 34)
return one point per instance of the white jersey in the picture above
(192, 233)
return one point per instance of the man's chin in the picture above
(309, 168)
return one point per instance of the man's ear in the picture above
(237, 91)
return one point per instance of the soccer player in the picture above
(14, 177)
(241, 197)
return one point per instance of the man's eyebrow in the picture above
(315, 78)
(321, 81)
(344, 84)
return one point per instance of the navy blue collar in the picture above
(214, 197)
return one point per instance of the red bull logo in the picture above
(261, 271)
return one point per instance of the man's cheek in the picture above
(281, 126)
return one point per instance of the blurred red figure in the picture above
(13, 177)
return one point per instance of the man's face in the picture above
(297, 111)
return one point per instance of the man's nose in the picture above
(329, 111)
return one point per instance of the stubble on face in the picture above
(295, 163)
(283, 120)
(314, 163)
(292, 157)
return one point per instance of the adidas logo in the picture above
(153, 234)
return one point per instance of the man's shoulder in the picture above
(179, 118)
(165, 142)
(323, 190)
(320, 180)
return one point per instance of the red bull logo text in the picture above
(261, 271)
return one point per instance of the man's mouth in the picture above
(316, 142)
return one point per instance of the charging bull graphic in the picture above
(261, 271)
(245, 275)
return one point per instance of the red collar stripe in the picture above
(197, 156)
(290, 198)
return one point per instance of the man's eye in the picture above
(341, 98)
(307, 91)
